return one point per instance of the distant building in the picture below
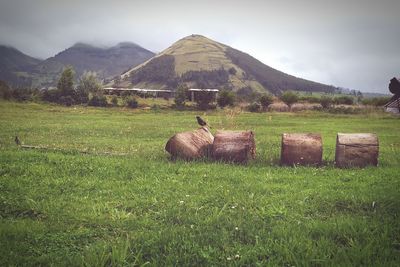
(393, 105)
(194, 92)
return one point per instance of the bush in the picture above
(247, 94)
(345, 110)
(254, 107)
(66, 100)
(375, 101)
(343, 100)
(5, 90)
(131, 102)
(180, 96)
(203, 99)
(310, 99)
(326, 102)
(265, 101)
(98, 101)
(289, 98)
(114, 101)
(226, 98)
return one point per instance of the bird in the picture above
(17, 141)
(201, 122)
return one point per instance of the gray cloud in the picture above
(352, 43)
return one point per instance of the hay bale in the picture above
(231, 146)
(190, 145)
(356, 150)
(279, 107)
(301, 149)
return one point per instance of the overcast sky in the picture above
(347, 43)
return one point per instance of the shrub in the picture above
(131, 102)
(343, 100)
(254, 107)
(247, 94)
(98, 101)
(310, 99)
(203, 99)
(5, 90)
(66, 100)
(345, 110)
(265, 101)
(226, 98)
(326, 102)
(375, 101)
(289, 98)
(180, 96)
(114, 101)
(156, 108)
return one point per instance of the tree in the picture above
(265, 101)
(5, 90)
(65, 84)
(180, 96)
(326, 102)
(289, 98)
(226, 98)
(203, 99)
(88, 83)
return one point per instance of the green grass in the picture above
(67, 208)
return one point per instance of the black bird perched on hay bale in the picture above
(17, 141)
(201, 122)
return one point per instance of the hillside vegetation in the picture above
(199, 55)
(105, 193)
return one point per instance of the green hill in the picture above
(107, 62)
(15, 65)
(19, 69)
(203, 63)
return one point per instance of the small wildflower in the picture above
(237, 228)
(229, 258)
(237, 256)
(191, 226)
(181, 202)
(187, 195)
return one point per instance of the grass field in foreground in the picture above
(66, 208)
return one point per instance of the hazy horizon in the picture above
(350, 44)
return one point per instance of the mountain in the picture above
(200, 62)
(15, 65)
(107, 62)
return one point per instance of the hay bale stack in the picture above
(190, 145)
(301, 149)
(356, 150)
(239, 147)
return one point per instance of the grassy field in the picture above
(134, 206)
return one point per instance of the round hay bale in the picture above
(278, 107)
(356, 150)
(190, 145)
(231, 146)
(301, 149)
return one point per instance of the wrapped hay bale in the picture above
(298, 107)
(190, 145)
(279, 107)
(356, 150)
(301, 149)
(231, 146)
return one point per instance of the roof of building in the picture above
(394, 102)
(137, 89)
(203, 90)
